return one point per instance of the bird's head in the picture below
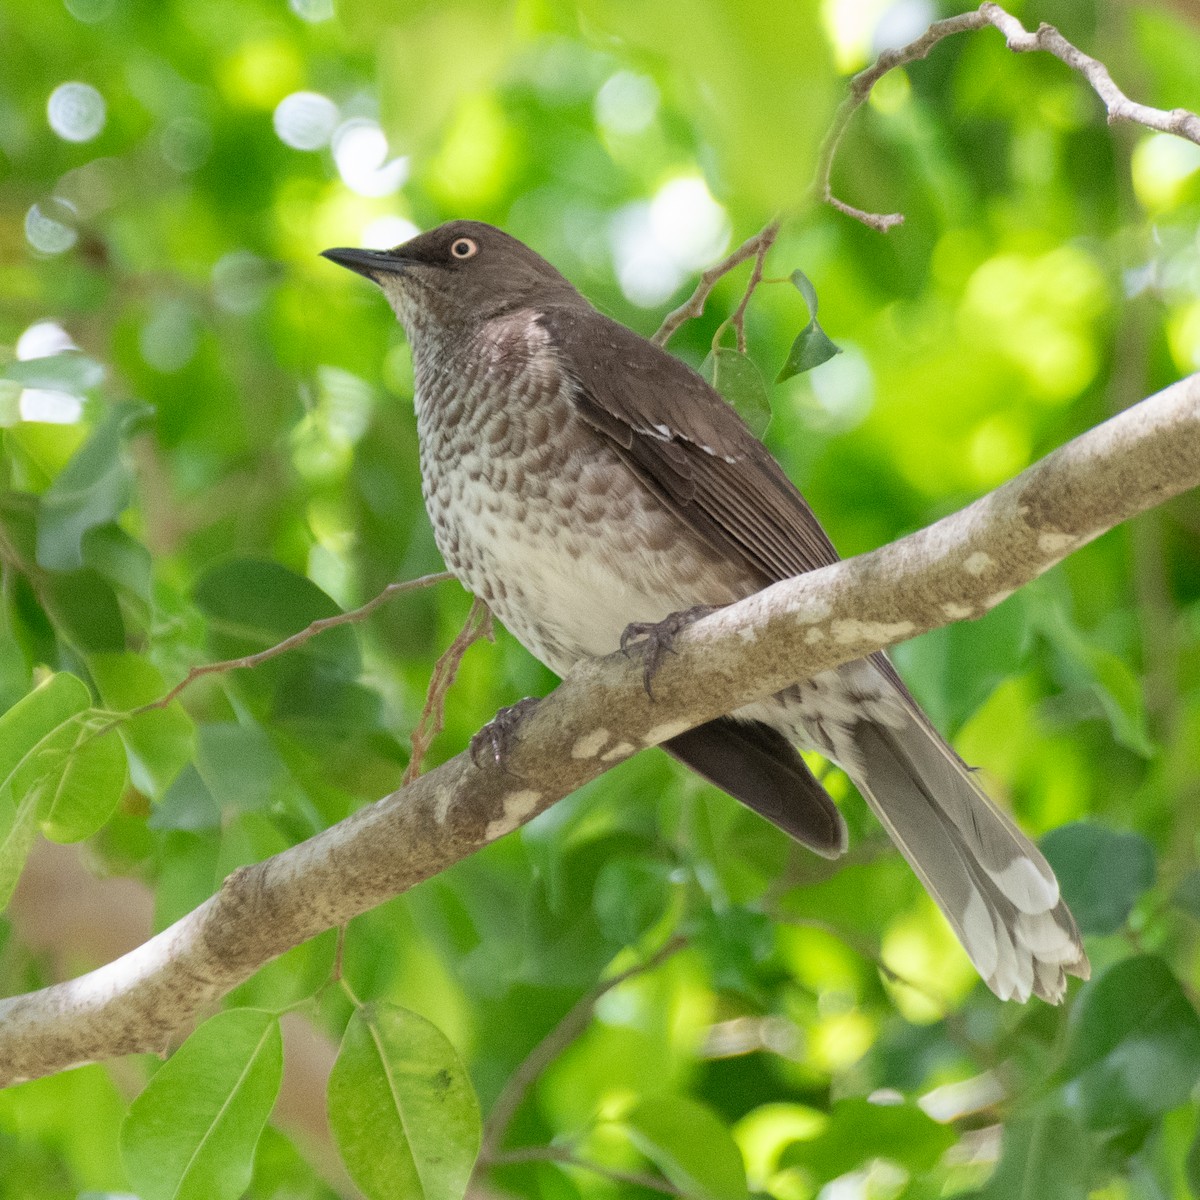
(458, 274)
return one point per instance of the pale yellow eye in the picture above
(464, 248)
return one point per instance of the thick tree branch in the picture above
(956, 569)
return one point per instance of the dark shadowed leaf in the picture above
(192, 1132)
(1133, 1046)
(1045, 1155)
(630, 896)
(92, 489)
(401, 1107)
(253, 604)
(1102, 873)
(812, 346)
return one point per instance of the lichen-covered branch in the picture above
(958, 568)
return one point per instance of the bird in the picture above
(584, 483)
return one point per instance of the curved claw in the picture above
(495, 740)
(660, 639)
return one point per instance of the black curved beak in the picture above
(370, 263)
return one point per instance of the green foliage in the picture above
(207, 442)
(192, 1131)
(812, 346)
(402, 1108)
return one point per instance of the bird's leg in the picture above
(659, 638)
(494, 742)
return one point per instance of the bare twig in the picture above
(766, 239)
(297, 639)
(567, 1158)
(573, 1023)
(693, 306)
(433, 716)
(1119, 107)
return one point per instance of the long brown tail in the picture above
(991, 881)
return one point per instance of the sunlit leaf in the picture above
(402, 1109)
(690, 1145)
(859, 1131)
(191, 1133)
(35, 735)
(78, 799)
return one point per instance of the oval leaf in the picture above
(401, 1107)
(1102, 873)
(1133, 1048)
(92, 489)
(741, 383)
(811, 348)
(27, 734)
(690, 1145)
(78, 800)
(192, 1132)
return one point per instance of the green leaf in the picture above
(812, 346)
(736, 377)
(120, 558)
(31, 733)
(79, 799)
(85, 610)
(70, 371)
(158, 742)
(630, 895)
(1102, 873)
(1097, 671)
(1045, 1155)
(690, 1145)
(254, 604)
(191, 1134)
(1133, 1045)
(18, 828)
(92, 489)
(401, 1108)
(1187, 895)
(240, 767)
(859, 1131)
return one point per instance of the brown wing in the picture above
(688, 445)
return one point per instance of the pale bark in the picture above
(956, 569)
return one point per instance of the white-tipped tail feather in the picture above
(996, 889)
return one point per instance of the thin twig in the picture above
(766, 239)
(693, 306)
(573, 1023)
(433, 716)
(559, 1154)
(297, 639)
(1118, 106)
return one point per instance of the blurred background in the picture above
(208, 441)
